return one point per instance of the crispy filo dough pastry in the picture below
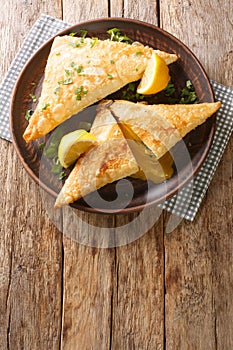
(160, 127)
(80, 72)
(109, 161)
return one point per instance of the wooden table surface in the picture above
(165, 290)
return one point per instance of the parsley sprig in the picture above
(188, 94)
(130, 93)
(79, 92)
(115, 35)
(76, 67)
(28, 114)
(66, 81)
(51, 151)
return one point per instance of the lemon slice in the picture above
(156, 76)
(72, 145)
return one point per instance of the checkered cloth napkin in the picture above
(187, 201)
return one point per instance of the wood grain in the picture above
(205, 29)
(88, 272)
(163, 291)
(74, 12)
(30, 246)
(198, 262)
(146, 10)
(138, 313)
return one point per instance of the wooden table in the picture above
(164, 291)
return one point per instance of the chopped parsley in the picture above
(130, 93)
(68, 72)
(77, 68)
(74, 44)
(115, 35)
(45, 106)
(41, 145)
(93, 42)
(61, 175)
(66, 81)
(51, 150)
(58, 54)
(56, 91)
(170, 89)
(83, 33)
(56, 168)
(72, 34)
(112, 62)
(28, 114)
(188, 94)
(138, 53)
(79, 92)
(33, 97)
(110, 76)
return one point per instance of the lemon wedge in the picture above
(72, 145)
(156, 76)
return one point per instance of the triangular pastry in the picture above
(107, 162)
(160, 127)
(82, 71)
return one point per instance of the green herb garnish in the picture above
(41, 145)
(74, 44)
(66, 81)
(130, 93)
(83, 33)
(84, 125)
(72, 34)
(188, 94)
(58, 54)
(78, 69)
(115, 35)
(138, 53)
(56, 91)
(28, 115)
(61, 175)
(93, 42)
(56, 168)
(33, 97)
(51, 150)
(112, 62)
(45, 106)
(170, 89)
(68, 72)
(109, 76)
(79, 92)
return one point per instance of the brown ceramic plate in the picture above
(197, 142)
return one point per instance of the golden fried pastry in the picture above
(160, 127)
(109, 161)
(82, 71)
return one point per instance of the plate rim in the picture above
(126, 210)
